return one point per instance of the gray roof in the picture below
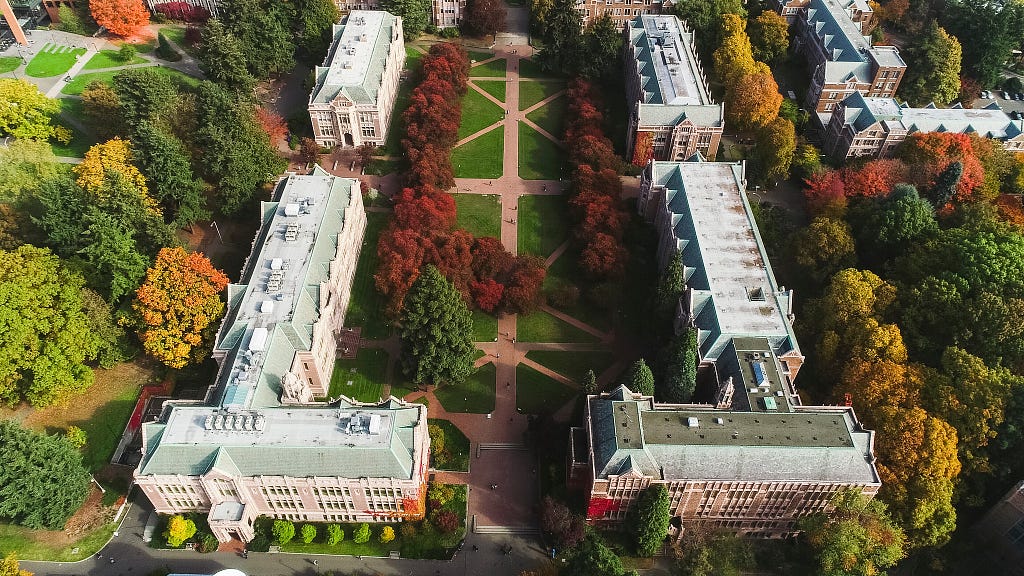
(629, 433)
(266, 324)
(672, 85)
(355, 63)
(733, 288)
(293, 442)
(846, 48)
(990, 122)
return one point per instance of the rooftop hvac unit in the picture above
(291, 209)
(259, 422)
(692, 422)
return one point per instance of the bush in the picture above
(259, 544)
(179, 529)
(70, 21)
(208, 543)
(450, 32)
(436, 434)
(283, 531)
(75, 436)
(447, 522)
(126, 53)
(440, 494)
(362, 534)
(407, 529)
(308, 533)
(387, 534)
(334, 534)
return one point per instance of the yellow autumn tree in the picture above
(752, 99)
(114, 155)
(9, 567)
(734, 57)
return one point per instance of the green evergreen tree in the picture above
(437, 331)
(43, 481)
(264, 31)
(165, 162)
(945, 185)
(362, 534)
(415, 15)
(308, 533)
(334, 534)
(639, 378)
(666, 295)
(315, 19)
(589, 384)
(222, 60)
(679, 369)
(650, 519)
(592, 558)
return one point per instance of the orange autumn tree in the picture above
(178, 301)
(123, 18)
(643, 150)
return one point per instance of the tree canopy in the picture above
(25, 112)
(437, 329)
(649, 524)
(415, 15)
(856, 538)
(42, 481)
(933, 68)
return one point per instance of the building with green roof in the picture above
(265, 441)
(354, 96)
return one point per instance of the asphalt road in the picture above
(132, 557)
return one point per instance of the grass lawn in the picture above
(475, 395)
(80, 141)
(492, 69)
(393, 145)
(361, 379)
(456, 447)
(478, 56)
(478, 113)
(366, 309)
(53, 60)
(543, 224)
(346, 547)
(564, 272)
(479, 214)
(550, 117)
(495, 88)
(176, 34)
(39, 544)
(536, 393)
(8, 63)
(530, 69)
(78, 83)
(539, 157)
(110, 59)
(543, 327)
(485, 327)
(573, 365)
(412, 58)
(381, 167)
(531, 93)
(480, 157)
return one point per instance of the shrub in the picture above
(407, 530)
(362, 534)
(447, 521)
(208, 543)
(126, 53)
(440, 494)
(283, 531)
(334, 534)
(308, 533)
(178, 530)
(387, 534)
(259, 544)
(75, 436)
(437, 439)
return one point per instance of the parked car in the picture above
(985, 94)
(1015, 115)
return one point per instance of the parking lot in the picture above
(1008, 106)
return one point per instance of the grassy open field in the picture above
(481, 157)
(53, 60)
(478, 113)
(363, 378)
(480, 214)
(543, 224)
(475, 395)
(537, 393)
(539, 157)
(366, 308)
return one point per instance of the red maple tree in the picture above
(272, 123)
(486, 293)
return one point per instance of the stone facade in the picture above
(672, 113)
(356, 87)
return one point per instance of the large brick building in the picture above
(751, 459)
(874, 127)
(842, 60)
(672, 114)
(621, 11)
(355, 90)
(266, 440)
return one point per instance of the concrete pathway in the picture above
(54, 90)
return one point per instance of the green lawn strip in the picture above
(53, 60)
(495, 88)
(8, 63)
(478, 56)
(543, 224)
(412, 57)
(531, 93)
(479, 213)
(573, 365)
(539, 157)
(78, 83)
(381, 167)
(478, 113)
(104, 428)
(537, 393)
(33, 544)
(456, 447)
(485, 327)
(110, 59)
(361, 378)
(393, 144)
(550, 117)
(176, 34)
(492, 69)
(530, 69)
(366, 308)
(564, 272)
(475, 395)
(80, 141)
(540, 326)
(481, 157)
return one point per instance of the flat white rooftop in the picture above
(352, 59)
(673, 60)
(301, 427)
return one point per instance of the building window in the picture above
(368, 132)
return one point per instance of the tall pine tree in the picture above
(437, 340)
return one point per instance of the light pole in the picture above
(217, 228)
